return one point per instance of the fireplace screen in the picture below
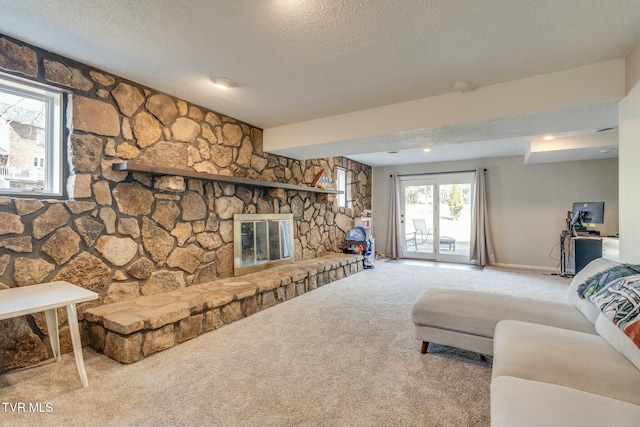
(261, 241)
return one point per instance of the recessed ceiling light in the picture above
(548, 137)
(426, 150)
(222, 82)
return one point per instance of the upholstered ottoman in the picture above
(466, 318)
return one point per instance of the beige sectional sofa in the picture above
(554, 363)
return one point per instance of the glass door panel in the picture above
(262, 242)
(417, 205)
(454, 221)
(274, 240)
(248, 252)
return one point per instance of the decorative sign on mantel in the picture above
(321, 180)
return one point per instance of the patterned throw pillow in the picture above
(598, 281)
(620, 302)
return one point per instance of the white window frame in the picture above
(53, 160)
(341, 185)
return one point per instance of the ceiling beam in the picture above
(380, 129)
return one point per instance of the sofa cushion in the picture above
(567, 358)
(518, 402)
(477, 312)
(587, 308)
(620, 303)
(619, 322)
(618, 339)
(600, 280)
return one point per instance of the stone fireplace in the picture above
(132, 234)
(261, 241)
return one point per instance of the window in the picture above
(30, 138)
(341, 185)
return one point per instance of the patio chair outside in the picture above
(421, 229)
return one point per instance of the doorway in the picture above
(435, 216)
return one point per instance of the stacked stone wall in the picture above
(127, 235)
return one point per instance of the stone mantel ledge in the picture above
(185, 173)
(129, 330)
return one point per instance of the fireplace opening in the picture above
(261, 241)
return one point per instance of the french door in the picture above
(436, 216)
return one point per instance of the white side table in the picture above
(48, 297)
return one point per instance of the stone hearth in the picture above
(131, 330)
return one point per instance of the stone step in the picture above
(130, 330)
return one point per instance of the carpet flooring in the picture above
(341, 355)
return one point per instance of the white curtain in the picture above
(395, 241)
(481, 243)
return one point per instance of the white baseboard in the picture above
(524, 267)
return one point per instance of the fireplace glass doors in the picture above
(261, 241)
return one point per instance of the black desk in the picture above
(577, 252)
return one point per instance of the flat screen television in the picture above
(587, 212)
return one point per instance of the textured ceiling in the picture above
(296, 60)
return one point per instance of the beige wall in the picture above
(527, 203)
(629, 157)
